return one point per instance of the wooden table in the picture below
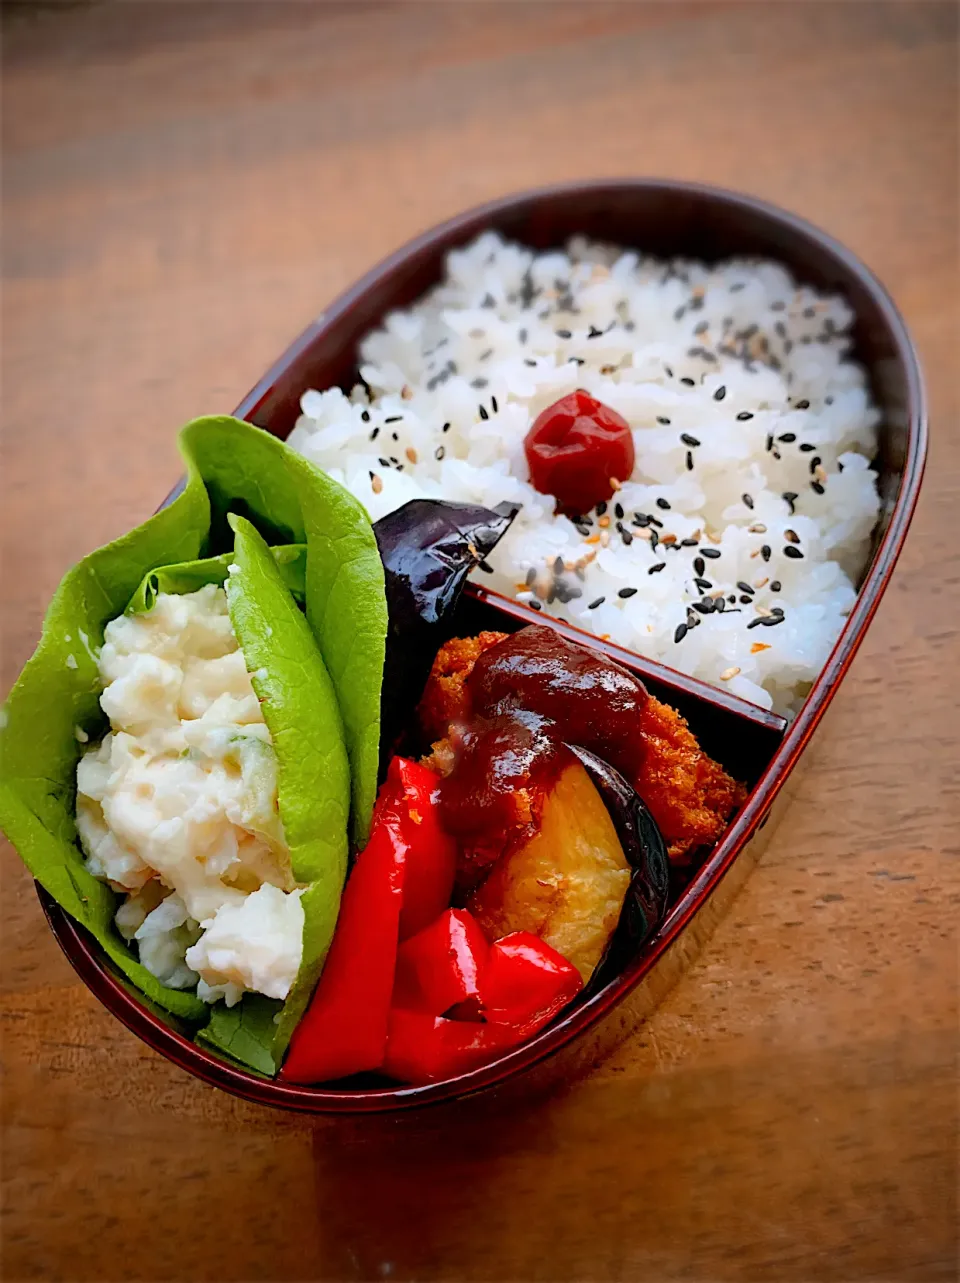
(185, 186)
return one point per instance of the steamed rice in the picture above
(738, 357)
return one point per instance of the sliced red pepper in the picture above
(441, 966)
(344, 1030)
(432, 859)
(526, 983)
(425, 1049)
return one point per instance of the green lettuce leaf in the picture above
(291, 501)
(246, 1033)
(347, 609)
(188, 576)
(313, 774)
(57, 698)
(231, 467)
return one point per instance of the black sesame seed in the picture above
(787, 437)
(594, 333)
(564, 334)
(653, 570)
(792, 551)
(778, 306)
(618, 511)
(597, 602)
(483, 412)
(769, 443)
(528, 361)
(817, 488)
(485, 567)
(735, 289)
(744, 600)
(780, 329)
(711, 553)
(478, 383)
(395, 436)
(765, 552)
(704, 607)
(439, 453)
(732, 599)
(806, 446)
(688, 543)
(747, 499)
(394, 460)
(701, 327)
(365, 415)
(627, 592)
(557, 565)
(493, 402)
(374, 434)
(777, 610)
(522, 336)
(771, 621)
(627, 537)
(445, 428)
(661, 418)
(689, 461)
(745, 587)
(720, 393)
(484, 356)
(654, 539)
(394, 418)
(655, 522)
(788, 497)
(755, 623)
(602, 508)
(688, 382)
(699, 565)
(776, 586)
(664, 504)
(680, 633)
(534, 605)
(803, 405)
(744, 415)
(703, 584)
(687, 439)
(668, 371)
(384, 463)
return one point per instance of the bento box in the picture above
(757, 746)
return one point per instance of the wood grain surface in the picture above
(184, 187)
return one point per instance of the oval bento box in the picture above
(665, 219)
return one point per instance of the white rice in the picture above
(454, 383)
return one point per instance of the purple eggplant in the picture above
(646, 900)
(428, 548)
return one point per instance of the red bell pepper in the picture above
(441, 966)
(526, 983)
(426, 1049)
(344, 1030)
(499, 996)
(432, 858)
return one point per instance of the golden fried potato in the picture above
(567, 883)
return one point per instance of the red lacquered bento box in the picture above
(666, 219)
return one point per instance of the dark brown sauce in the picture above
(590, 700)
(528, 696)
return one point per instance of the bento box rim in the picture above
(85, 956)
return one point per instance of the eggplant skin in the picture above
(645, 905)
(428, 548)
